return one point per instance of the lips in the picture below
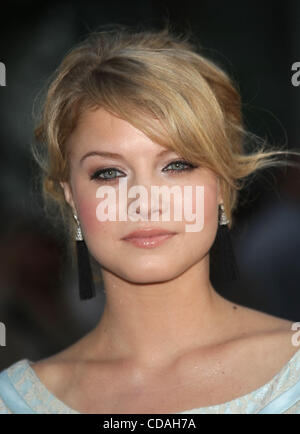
(147, 233)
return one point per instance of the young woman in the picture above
(147, 109)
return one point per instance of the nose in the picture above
(144, 196)
(144, 203)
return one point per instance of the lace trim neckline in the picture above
(26, 363)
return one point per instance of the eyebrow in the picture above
(118, 156)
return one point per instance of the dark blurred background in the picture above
(256, 42)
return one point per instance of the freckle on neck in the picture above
(234, 307)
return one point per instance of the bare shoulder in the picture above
(57, 372)
(268, 333)
(263, 322)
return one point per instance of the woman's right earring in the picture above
(85, 277)
(223, 259)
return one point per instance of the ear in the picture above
(68, 194)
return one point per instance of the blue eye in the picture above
(109, 170)
(99, 175)
(179, 163)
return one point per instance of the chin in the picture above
(151, 279)
(151, 273)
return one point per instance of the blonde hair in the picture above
(138, 76)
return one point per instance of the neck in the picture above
(154, 324)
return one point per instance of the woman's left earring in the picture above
(85, 276)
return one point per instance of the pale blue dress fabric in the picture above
(21, 392)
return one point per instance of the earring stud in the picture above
(78, 234)
(223, 220)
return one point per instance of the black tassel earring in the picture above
(222, 255)
(85, 277)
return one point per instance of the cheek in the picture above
(93, 229)
(86, 204)
(210, 205)
(207, 210)
(205, 203)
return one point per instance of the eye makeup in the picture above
(99, 175)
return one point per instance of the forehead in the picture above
(100, 129)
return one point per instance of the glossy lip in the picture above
(149, 242)
(147, 233)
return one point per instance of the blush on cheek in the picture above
(206, 203)
(210, 205)
(94, 229)
(87, 213)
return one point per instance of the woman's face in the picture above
(140, 164)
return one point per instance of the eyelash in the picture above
(96, 175)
